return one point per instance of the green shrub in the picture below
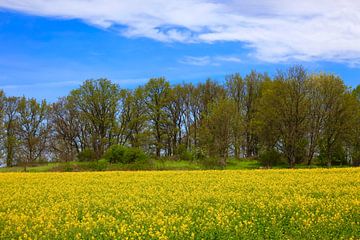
(68, 167)
(87, 155)
(125, 155)
(198, 154)
(115, 154)
(133, 155)
(100, 165)
(183, 154)
(212, 163)
(144, 164)
(270, 157)
(337, 156)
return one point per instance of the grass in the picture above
(153, 164)
(235, 164)
(176, 165)
(40, 168)
(159, 164)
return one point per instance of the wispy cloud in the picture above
(208, 60)
(274, 30)
(228, 59)
(197, 61)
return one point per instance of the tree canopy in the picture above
(296, 116)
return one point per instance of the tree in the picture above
(66, 135)
(175, 110)
(217, 129)
(192, 115)
(284, 109)
(293, 116)
(354, 136)
(2, 105)
(252, 92)
(235, 87)
(139, 119)
(10, 127)
(157, 98)
(338, 108)
(33, 130)
(97, 101)
(356, 93)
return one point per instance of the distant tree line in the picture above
(294, 116)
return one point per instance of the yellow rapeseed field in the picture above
(257, 204)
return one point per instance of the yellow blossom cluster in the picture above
(256, 204)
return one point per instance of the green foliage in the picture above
(198, 154)
(115, 154)
(125, 155)
(336, 156)
(304, 116)
(157, 98)
(98, 102)
(355, 157)
(134, 155)
(356, 92)
(212, 163)
(68, 167)
(99, 165)
(183, 153)
(218, 128)
(270, 157)
(87, 155)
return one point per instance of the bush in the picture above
(183, 153)
(100, 165)
(337, 156)
(125, 155)
(115, 154)
(270, 157)
(198, 154)
(133, 155)
(87, 155)
(213, 163)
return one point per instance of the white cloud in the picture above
(197, 61)
(208, 60)
(228, 59)
(275, 30)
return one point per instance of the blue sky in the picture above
(47, 50)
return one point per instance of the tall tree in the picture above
(315, 117)
(33, 130)
(285, 102)
(157, 98)
(338, 108)
(217, 129)
(252, 93)
(354, 137)
(66, 123)
(10, 127)
(97, 101)
(2, 133)
(139, 119)
(175, 110)
(235, 87)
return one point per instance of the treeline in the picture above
(295, 116)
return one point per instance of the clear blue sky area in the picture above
(46, 57)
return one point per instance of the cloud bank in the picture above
(273, 30)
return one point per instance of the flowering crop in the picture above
(258, 204)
